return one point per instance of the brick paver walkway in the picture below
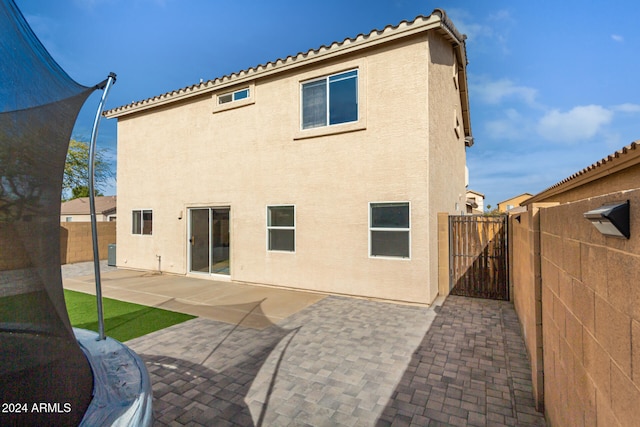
(346, 362)
(471, 369)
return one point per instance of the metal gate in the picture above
(478, 264)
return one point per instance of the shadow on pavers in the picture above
(471, 368)
(190, 392)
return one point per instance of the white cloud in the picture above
(494, 92)
(627, 108)
(617, 38)
(471, 29)
(578, 124)
(509, 127)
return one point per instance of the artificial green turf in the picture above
(122, 320)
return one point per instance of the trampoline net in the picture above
(40, 360)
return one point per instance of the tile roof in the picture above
(627, 156)
(80, 206)
(437, 20)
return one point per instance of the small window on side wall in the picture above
(233, 96)
(281, 228)
(455, 70)
(389, 230)
(142, 222)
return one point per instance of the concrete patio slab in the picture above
(252, 306)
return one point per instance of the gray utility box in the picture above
(111, 255)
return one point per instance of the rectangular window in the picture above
(281, 228)
(142, 222)
(389, 229)
(330, 100)
(233, 96)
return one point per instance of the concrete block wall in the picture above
(76, 242)
(590, 315)
(526, 288)
(17, 257)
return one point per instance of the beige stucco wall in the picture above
(515, 202)
(184, 155)
(591, 316)
(85, 218)
(447, 190)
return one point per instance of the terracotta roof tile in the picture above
(210, 85)
(614, 160)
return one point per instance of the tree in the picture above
(83, 191)
(76, 170)
(491, 212)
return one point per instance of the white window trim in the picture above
(142, 210)
(232, 96)
(389, 229)
(327, 86)
(271, 227)
(251, 99)
(359, 64)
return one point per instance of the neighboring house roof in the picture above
(515, 197)
(438, 20)
(81, 206)
(475, 192)
(625, 157)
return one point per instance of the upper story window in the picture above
(330, 100)
(233, 96)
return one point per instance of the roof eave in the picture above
(458, 41)
(515, 197)
(437, 20)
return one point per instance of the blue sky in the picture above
(553, 85)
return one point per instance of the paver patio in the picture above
(345, 362)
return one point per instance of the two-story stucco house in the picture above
(323, 171)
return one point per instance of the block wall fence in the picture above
(577, 294)
(76, 243)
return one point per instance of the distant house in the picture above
(322, 171)
(514, 202)
(77, 210)
(475, 202)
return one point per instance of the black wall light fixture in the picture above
(611, 220)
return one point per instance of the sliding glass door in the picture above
(209, 240)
